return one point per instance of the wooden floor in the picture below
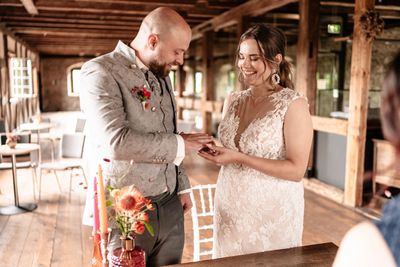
(53, 234)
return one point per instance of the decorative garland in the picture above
(371, 24)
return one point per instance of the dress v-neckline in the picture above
(236, 118)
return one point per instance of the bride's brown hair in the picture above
(271, 41)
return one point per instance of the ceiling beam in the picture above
(251, 8)
(341, 4)
(30, 7)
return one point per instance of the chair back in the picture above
(3, 130)
(48, 120)
(72, 145)
(202, 217)
(80, 125)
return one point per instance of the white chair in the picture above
(80, 125)
(202, 217)
(71, 153)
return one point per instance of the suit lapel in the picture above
(168, 85)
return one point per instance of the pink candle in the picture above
(102, 203)
(96, 220)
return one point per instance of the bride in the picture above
(266, 133)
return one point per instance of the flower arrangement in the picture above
(11, 140)
(130, 208)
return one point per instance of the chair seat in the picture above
(61, 165)
(20, 165)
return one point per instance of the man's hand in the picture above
(186, 202)
(196, 141)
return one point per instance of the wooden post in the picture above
(358, 101)
(242, 25)
(208, 79)
(307, 58)
(307, 51)
(180, 87)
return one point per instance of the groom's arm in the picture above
(102, 102)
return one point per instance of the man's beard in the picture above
(157, 69)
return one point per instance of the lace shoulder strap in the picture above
(231, 101)
(287, 96)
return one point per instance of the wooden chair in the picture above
(202, 217)
(71, 156)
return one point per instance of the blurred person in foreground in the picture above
(378, 244)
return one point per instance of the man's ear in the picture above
(152, 41)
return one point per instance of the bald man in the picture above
(126, 126)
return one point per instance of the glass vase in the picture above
(128, 255)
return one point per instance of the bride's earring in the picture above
(275, 78)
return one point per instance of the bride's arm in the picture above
(298, 133)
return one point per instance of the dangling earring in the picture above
(275, 78)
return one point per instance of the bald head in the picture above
(162, 39)
(163, 20)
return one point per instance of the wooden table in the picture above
(20, 149)
(314, 255)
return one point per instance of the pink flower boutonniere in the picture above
(143, 94)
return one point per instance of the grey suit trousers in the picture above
(167, 220)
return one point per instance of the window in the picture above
(21, 77)
(74, 82)
(198, 80)
(172, 76)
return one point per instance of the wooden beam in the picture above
(180, 86)
(342, 4)
(307, 51)
(307, 57)
(43, 26)
(249, 8)
(197, 104)
(30, 7)
(74, 32)
(208, 78)
(330, 125)
(358, 101)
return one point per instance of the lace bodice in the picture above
(253, 211)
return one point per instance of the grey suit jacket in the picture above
(122, 130)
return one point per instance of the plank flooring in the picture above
(53, 235)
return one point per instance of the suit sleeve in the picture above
(103, 104)
(183, 179)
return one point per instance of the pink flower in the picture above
(130, 208)
(143, 217)
(128, 202)
(139, 228)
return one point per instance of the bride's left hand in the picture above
(220, 155)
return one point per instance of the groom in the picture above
(130, 107)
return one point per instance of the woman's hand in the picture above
(220, 155)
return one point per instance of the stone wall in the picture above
(53, 89)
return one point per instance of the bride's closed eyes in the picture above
(252, 58)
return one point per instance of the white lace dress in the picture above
(255, 212)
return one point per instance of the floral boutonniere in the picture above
(143, 94)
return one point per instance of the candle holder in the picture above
(97, 259)
(103, 247)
